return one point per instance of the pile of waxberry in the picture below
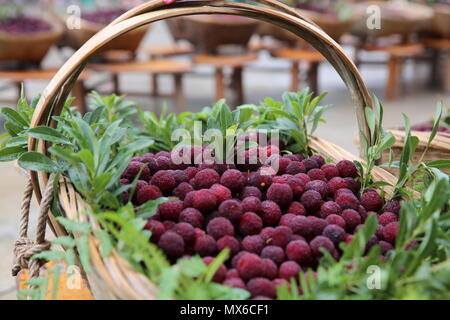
(275, 224)
(23, 24)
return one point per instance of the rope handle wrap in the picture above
(24, 247)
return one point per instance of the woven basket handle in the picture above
(270, 11)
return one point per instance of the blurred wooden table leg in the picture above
(79, 94)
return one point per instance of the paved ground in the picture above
(264, 78)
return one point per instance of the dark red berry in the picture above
(393, 206)
(296, 208)
(336, 183)
(148, 193)
(234, 282)
(205, 178)
(261, 287)
(164, 181)
(281, 236)
(372, 201)
(220, 227)
(317, 174)
(275, 253)
(204, 200)
(328, 208)
(321, 242)
(222, 193)
(251, 191)
(352, 218)
(286, 219)
(390, 232)
(312, 200)
(191, 172)
(347, 169)
(288, 270)
(251, 204)
(347, 201)
(330, 171)
(249, 266)
(280, 193)
(337, 220)
(192, 216)
(299, 251)
(302, 226)
(270, 213)
(266, 234)
(170, 210)
(270, 269)
(385, 246)
(250, 224)
(205, 246)
(186, 231)
(182, 190)
(297, 185)
(295, 167)
(253, 244)
(231, 209)
(386, 218)
(335, 233)
(319, 186)
(156, 228)
(310, 164)
(317, 225)
(172, 244)
(228, 242)
(233, 180)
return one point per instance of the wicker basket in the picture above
(334, 27)
(113, 277)
(439, 148)
(77, 37)
(29, 48)
(441, 21)
(396, 18)
(208, 32)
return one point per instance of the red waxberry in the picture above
(182, 190)
(286, 219)
(222, 193)
(233, 179)
(281, 236)
(186, 231)
(156, 228)
(386, 218)
(221, 272)
(335, 184)
(317, 174)
(362, 212)
(168, 225)
(172, 244)
(393, 206)
(280, 193)
(253, 244)
(317, 225)
(321, 242)
(231, 209)
(189, 199)
(259, 180)
(304, 177)
(328, 208)
(372, 201)
(205, 246)
(352, 218)
(249, 266)
(302, 226)
(275, 253)
(335, 233)
(148, 193)
(192, 216)
(236, 258)
(232, 273)
(250, 224)
(180, 176)
(385, 246)
(319, 159)
(204, 200)
(270, 213)
(299, 251)
(330, 171)
(296, 208)
(310, 164)
(234, 282)
(337, 220)
(220, 227)
(319, 186)
(347, 201)
(297, 185)
(191, 172)
(170, 210)
(390, 232)
(251, 204)
(312, 200)
(347, 169)
(288, 270)
(353, 185)
(228, 242)
(251, 191)
(134, 168)
(295, 167)
(266, 234)
(205, 178)
(261, 287)
(270, 269)
(283, 163)
(164, 181)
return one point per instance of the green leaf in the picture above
(106, 245)
(74, 226)
(437, 120)
(11, 153)
(83, 250)
(65, 241)
(440, 164)
(35, 161)
(14, 117)
(47, 134)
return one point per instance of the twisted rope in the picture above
(25, 248)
